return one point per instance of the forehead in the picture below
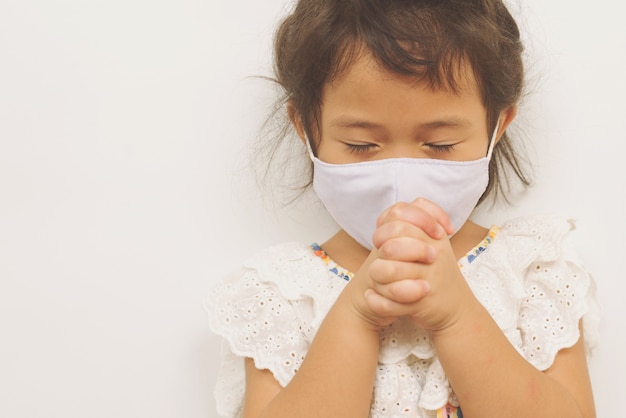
(452, 73)
(365, 77)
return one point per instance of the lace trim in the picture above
(480, 247)
(333, 267)
(449, 411)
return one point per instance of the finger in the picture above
(397, 229)
(415, 215)
(383, 271)
(436, 212)
(407, 249)
(404, 291)
(386, 307)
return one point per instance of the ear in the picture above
(506, 117)
(296, 120)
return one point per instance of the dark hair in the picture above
(428, 39)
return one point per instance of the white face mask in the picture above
(356, 194)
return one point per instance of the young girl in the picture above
(410, 309)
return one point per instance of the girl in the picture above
(410, 309)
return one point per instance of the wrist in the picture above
(469, 318)
(353, 305)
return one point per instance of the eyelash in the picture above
(441, 148)
(360, 148)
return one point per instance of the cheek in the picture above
(330, 157)
(475, 149)
(326, 151)
(333, 152)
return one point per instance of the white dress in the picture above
(525, 274)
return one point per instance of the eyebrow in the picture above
(452, 122)
(350, 122)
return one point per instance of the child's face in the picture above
(371, 114)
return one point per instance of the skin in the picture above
(369, 114)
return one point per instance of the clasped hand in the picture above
(412, 270)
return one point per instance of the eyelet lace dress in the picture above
(525, 274)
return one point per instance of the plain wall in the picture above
(124, 193)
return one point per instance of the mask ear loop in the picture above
(492, 143)
(308, 147)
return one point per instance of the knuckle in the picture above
(421, 201)
(381, 251)
(395, 290)
(376, 270)
(386, 250)
(397, 210)
(399, 228)
(385, 307)
(381, 270)
(396, 229)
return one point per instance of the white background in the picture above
(124, 193)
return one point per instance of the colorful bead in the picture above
(449, 411)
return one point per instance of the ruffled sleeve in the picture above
(268, 311)
(558, 291)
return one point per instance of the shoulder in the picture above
(539, 227)
(525, 245)
(264, 310)
(290, 269)
(287, 286)
(270, 308)
(529, 239)
(285, 255)
(535, 260)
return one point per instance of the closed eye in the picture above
(360, 148)
(441, 148)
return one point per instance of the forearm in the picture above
(337, 376)
(491, 379)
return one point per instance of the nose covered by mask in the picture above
(355, 194)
